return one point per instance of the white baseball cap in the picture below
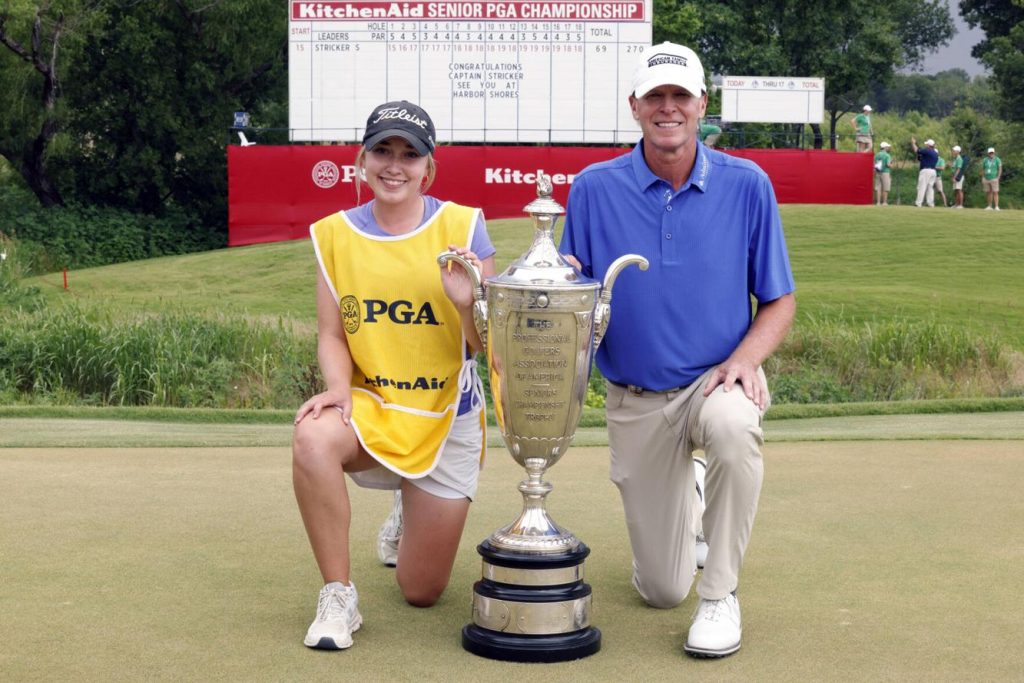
(956, 148)
(867, 107)
(885, 145)
(991, 150)
(668, 64)
(930, 142)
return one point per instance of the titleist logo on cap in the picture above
(662, 58)
(396, 113)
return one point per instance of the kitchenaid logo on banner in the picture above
(326, 174)
(514, 176)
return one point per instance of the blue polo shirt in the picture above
(928, 157)
(711, 246)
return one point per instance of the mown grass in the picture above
(593, 418)
(192, 565)
(862, 261)
(894, 303)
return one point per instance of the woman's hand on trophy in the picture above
(458, 285)
(340, 399)
(573, 261)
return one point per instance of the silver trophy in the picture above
(541, 321)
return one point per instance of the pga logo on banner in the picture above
(326, 174)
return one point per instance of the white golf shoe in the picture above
(700, 468)
(702, 551)
(390, 534)
(716, 628)
(337, 617)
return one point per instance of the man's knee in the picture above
(730, 421)
(662, 595)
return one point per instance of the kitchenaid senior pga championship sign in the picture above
(517, 71)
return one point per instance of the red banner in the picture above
(275, 192)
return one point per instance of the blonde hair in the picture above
(360, 165)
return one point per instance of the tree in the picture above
(153, 94)
(35, 41)
(936, 95)
(1002, 50)
(678, 22)
(127, 103)
(852, 45)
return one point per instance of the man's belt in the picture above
(638, 390)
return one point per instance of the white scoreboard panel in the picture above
(773, 99)
(515, 71)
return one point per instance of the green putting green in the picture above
(870, 560)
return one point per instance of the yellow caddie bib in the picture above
(404, 334)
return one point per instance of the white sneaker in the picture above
(702, 551)
(391, 533)
(997, 208)
(716, 628)
(988, 208)
(700, 468)
(337, 617)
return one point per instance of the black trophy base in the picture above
(513, 647)
(531, 647)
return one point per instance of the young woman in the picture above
(403, 405)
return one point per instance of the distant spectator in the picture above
(927, 157)
(883, 178)
(709, 133)
(991, 172)
(940, 166)
(958, 165)
(862, 129)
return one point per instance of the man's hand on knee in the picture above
(732, 371)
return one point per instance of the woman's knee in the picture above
(316, 443)
(421, 592)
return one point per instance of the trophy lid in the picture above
(541, 264)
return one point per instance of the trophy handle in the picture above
(603, 311)
(479, 299)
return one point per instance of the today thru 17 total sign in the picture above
(516, 71)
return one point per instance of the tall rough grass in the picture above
(92, 356)
(95, 356)
(13, 293)
(830, 360)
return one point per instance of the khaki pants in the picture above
(883, 182)
(652, 438)
(925, 187)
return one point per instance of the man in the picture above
(683, 353)
(940, 166)
(958, 178)
(862, 129)
(991, 172)
(883, 175)
(928, 158)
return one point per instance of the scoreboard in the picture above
(521, 71)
